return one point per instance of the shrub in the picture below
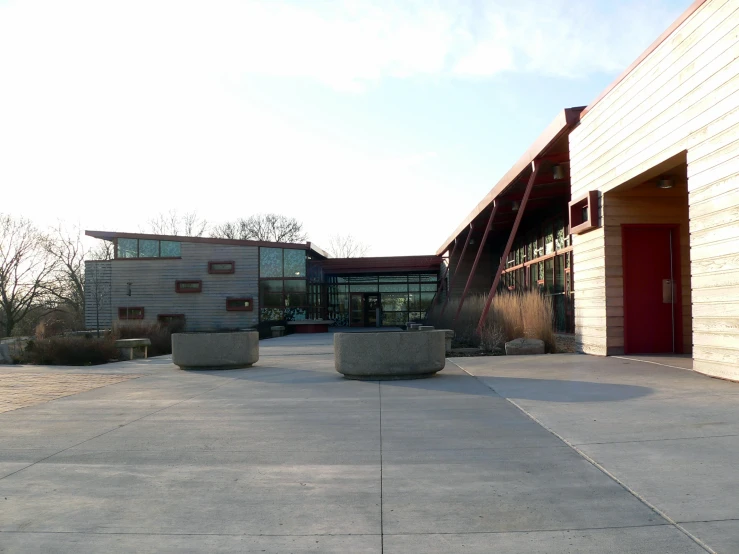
(511, 316)
(70, 350)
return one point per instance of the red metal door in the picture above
(651, 293)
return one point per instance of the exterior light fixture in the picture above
(558, 172)
(515, 206)
(665, 183)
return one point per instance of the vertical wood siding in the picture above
(153, 286)
(684, 97)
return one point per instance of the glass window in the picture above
(295, 293)
(128, 248)
(560, 238)
(270, 262)
(239, 304)
(294, 263)
(426, 298)
(148, 248)
(170, 249)
(363, 288)
(429, 287)
(271, 293)
(394, 302)
(394, 288)
(548, 239)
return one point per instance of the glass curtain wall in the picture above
(541, 259)
(402, 298)
(282, 284)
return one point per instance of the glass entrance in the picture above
(356, 310)
(372, 308)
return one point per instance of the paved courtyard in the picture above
(561, 453)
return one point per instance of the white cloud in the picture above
(111, 111)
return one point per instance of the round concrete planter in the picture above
(215, 350)
(390, 355)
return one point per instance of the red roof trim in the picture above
(564, 122)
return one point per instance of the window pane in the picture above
(429, 287)
(394, 318)
(401, 287)
(414, 301)
(548, 239)
(148, 248)
(171, 249)
(394, 302)
(271, 286)
(270, 262)
(272, 300)
(296, 299)
(128, 248)
(363, 288)
(294, 263)
(295, 286)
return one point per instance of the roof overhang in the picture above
(565, 121)
(385, 264)
(112, 235)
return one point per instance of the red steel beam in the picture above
(454, 275)
(477, 258)
(535, 169)
(441, 281)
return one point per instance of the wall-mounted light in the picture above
(515, 206)
(558, 172)
(665, 183)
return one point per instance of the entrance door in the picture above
(651, 289)
(356, 309)
(372, 303)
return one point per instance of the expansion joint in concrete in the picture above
(602, 469)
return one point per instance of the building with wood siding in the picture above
(651, 171)
(210, 284)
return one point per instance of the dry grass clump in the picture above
(511, 316)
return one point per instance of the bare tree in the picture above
(25, 269)
(189, 224)
(264, 227)
(97, 283)
(346, 246)
(66, 284)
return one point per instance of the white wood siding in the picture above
(684, 96)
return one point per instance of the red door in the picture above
(651, 289)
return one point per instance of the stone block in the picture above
(449, 335)
(5, 357)
(277, 331)
(520, 347)
(425, 327)
(389, 355)
(215, 350)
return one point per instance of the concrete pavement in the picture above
(289, 457)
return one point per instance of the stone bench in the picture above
(128, 346)
(215, 350)
(389, 355)
(277, 331)
(311, 325)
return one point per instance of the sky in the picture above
(385, 120)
